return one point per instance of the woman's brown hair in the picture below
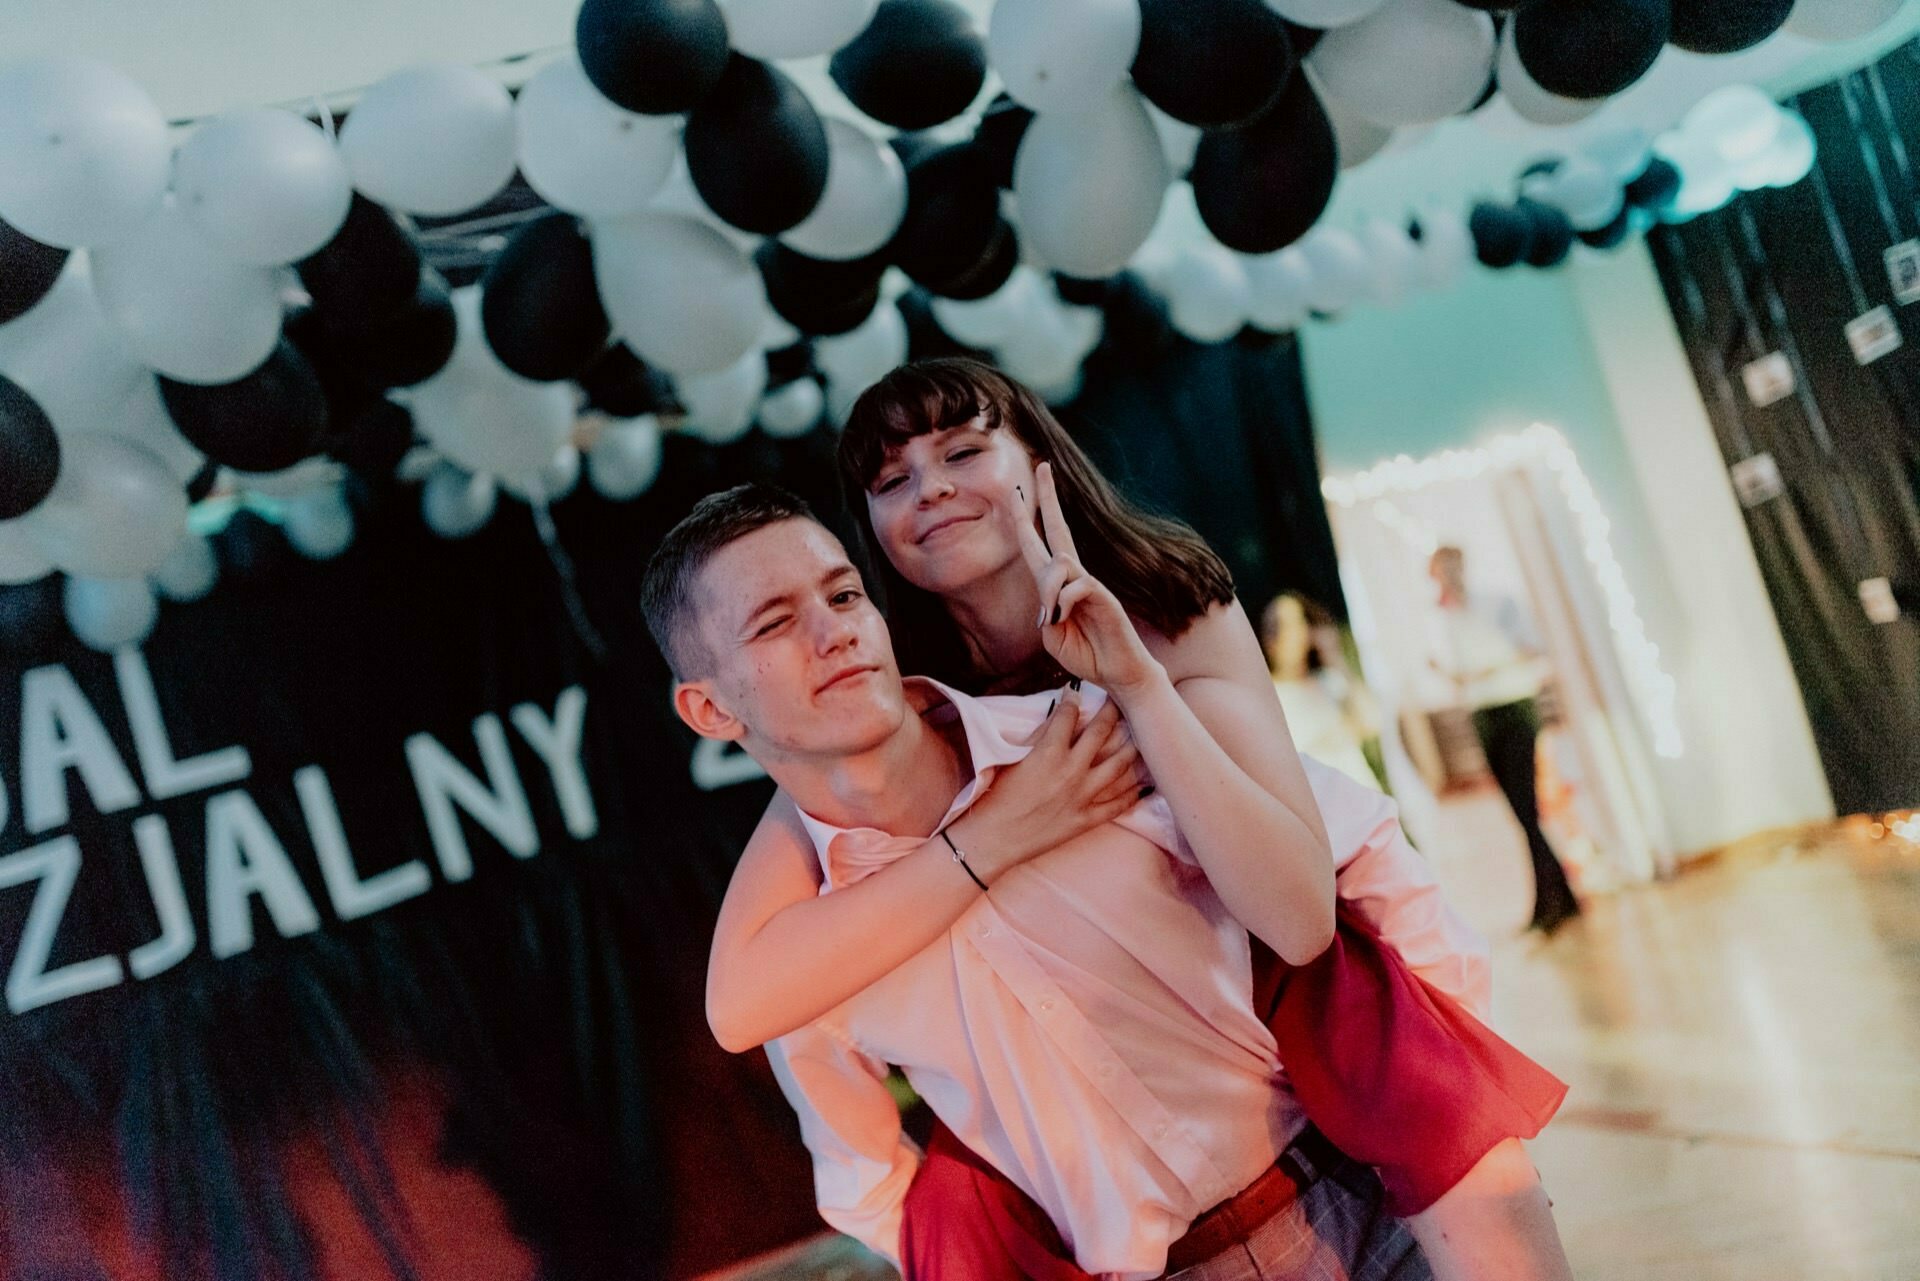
(1163, 572)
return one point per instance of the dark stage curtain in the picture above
(1838, 538)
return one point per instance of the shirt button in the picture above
(1046, 1004)
(1160, 1130)
(986, 931)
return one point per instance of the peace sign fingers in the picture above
(1059, 537)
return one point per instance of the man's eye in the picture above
(846, 595)
(770, 625)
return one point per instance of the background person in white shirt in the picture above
(1499, 679)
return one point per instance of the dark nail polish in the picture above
(1050, 704)
(1056, 615)
(1073, 684)
(1146, 791)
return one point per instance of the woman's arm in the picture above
(1204, 715)
(784, 954)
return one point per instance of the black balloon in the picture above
(1552, 238)
(1502, 234)
(918, 63)
(32, 619)
(29, 451)
(1081, 291)
(621, 384)
(370, 268)
(1610, 235)
(1726, 26)
(756, 149)
(1590, 48)
(818, 296)
(655, 56)
(203, 482)
(789, 363)
(27, 271)
(953, 215)
(987, 275)
(373, 441)
(272, 418)
(1212, 63)
(1261, 187)
(539, 305)
(1656, 186)
(407, 345)
(998, 138)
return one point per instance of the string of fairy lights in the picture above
(1654, 691)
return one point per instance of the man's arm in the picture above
(862, 1162)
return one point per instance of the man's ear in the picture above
(696, 703)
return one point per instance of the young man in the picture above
(1088, 1027)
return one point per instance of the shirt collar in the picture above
(851, 854)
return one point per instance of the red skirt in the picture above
(1391, 1069)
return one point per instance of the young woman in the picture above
(955, 462)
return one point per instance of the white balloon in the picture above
(319, 524)
(584, 154)
(1356, 139)
(1740, 120)
(792, 410)
(115, 512)
(1341, 270)
(1830, 21)
(189, 572)
(142, 419)
(1324, 13)
(1178, 140)
(184, 308)
(794, 28)
(864, 200)
(1623, 151)
(264, 186)
(1395, 260)
(1208, 295)
(433, 139)
(1062, 55)
(65, 354)
(21, 560)
(552, 482)
(1445, 247)
(1413, 61)
(1051, 341)
(1787, 160)
(625, 460)
(1528, 100)
(720, 405)
(1584, 191)
(984, 322)
(482, 415)
(1280, 284)
(455, 503)
(857, 360)
(684, 298)
(1063, 392)
(1089, 184)
(107, 613)
(84, 153)
(297, 481)
(1707, 178)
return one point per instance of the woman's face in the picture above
(944, 505)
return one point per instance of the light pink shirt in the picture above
(1087, 1026)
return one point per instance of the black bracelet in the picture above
(961, 859)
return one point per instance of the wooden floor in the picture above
(1743, 1044)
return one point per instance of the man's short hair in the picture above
(666, 591)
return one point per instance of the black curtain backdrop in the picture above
(551, 1003)
(1785, 271)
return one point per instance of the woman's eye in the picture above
(961, 455)
(888, 485)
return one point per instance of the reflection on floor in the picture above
(1743, 1044)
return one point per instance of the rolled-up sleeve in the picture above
(1393, 887)
(862, 1162)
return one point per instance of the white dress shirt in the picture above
(1087, 1027)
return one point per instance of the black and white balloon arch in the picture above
(254, 296)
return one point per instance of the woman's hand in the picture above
(1082, 624)
(1076, 778)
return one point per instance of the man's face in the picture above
(801, 663)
